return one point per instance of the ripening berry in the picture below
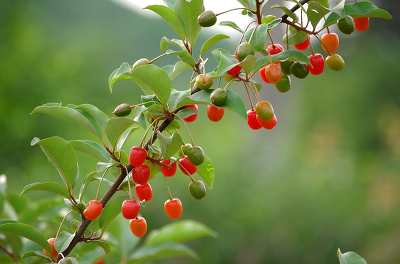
(93, 210)
(173, 208)
(54, 252)
(138, 226)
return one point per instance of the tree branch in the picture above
(285, 16)
(9, 253)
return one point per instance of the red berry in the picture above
(318, 63)
(54, 252)
(235, 70)
(362, 23)
(262, 74)
(173, 208)
(215, 113)
(267, 124)
(138, 226)
(141, 174)
(101, 261)
(252, 121)
(144, 191)
(192, 117)
(93, 210)
(303, 45)
(187, 167)
(275, 49)
(168, 172)
(273, 73)
(130, 209)
(137, 156)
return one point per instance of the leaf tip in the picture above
(34, 141)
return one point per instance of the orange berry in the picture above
(330, 42)
(138, 226)
(54, 252)
(173, 208)
(273, 73)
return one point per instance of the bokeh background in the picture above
(327, 176)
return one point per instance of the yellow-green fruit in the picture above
(207, 19)
(335, 62)
(204, 81)
(346, 25)
(264, 110)
(140, 63)
(244, 50)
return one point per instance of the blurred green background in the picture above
(326, 176)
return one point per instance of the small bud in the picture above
(140, 62)
(122, 110)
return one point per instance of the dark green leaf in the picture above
(291, 55)
(294, 36)
(179, 231)
(231, 24)
(365, 9)
(211, 42)
(169, 145)
(104, 245)
(91, 148)
(177, 96)
(171, 17)
(112, 210)
(165, 43)
(116, 127)
(207, 172)
(287, 12)
(186, 112)
(100, 117)
(188, 11)
(350, 258)
(61, 153)
(154, 168)
(258, 37)
(39, 254)
(274, 23)
(26, 231)
(163, 251)
(47, 186)
(63, 240)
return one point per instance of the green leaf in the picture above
(231, 24)
(173, 125)
(350, 258)
(248, 63)
(163, 251)
(183, 55)
(47, 186)
(179, 231)
(259, 36)
(225, 59)
(104, 245)
(61, 153)
(365, 9)
(150, 78)
(110, 211)
(207, 172)
(178, 68)
(170, 3)
(291, 55)
(339, 9)
(165, 43)
(116, 127)
(154, 168)
(294, 36)
(171, 17)
(100, 117)
(274, 23)
(26, 231)
(169, 145)
(85, 183)
(316, 11)
(91, 148)
(211, 42)
(188, 11)
(124, 137)
(71, 115)
(287, 12)
(63, 240)
(39, 254)
(325, 3)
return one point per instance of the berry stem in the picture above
(166, 184)
(62, 222)
(102, 177)
(187, 128)
(129, 184)
(158, 57)
(238, 8)
(248, 95)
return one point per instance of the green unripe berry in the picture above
(267, 19)
(204, 81)
(140, 62)
(122, 110)
(195, 155)
(207, 19)
(245, 49)
(285, 67)
(346, 25)
(264, 110)
(185, 148)
(218, 96)
(335, 62)
(197, 189)
(284, 84)
(299, 70)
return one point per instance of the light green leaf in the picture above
(178, 68)
(365, 9)
(179, 231)
(150, 78)
(86, 182)
(47, 186)
(207, 172)
(259, 36)
(165, 43)
(116, 127)
(163, 251)
(171, 17)
(231, 24)
(154, 168)
(211, 42)
(183, 55)
(169, 145)
(188, 11)
(39, 254)
(225, 59)
(173, 125)
(316, 11)
(350, 258)
(124, 137)
(61, 153)
(294, 36)
(291, 55)
(274, 23)
(100, 117)
(248, 63)
(26, 231)
(104, 245)
(110, 211)
(63, 240)
(170, 3)
(339, 9)
(91, 148)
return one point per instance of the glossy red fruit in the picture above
(137, 156)
(215, 113)
(235, 70)
(262, 75)
(130, 209)
(267, 124)
(173, 208)
(101, 261)
(144, 191)
(54, 252)
(141, 174)
(303, 45)
(361, 24)
(192, 117)
(275, 49)
(138, 226)
(252, 120)
(93, 210)
(168, 172)
(318, 64)
(187, 167)
(273, 73)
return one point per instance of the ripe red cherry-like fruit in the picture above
(54, 252)
(138, 226)
(130, 209)
(186, 167)
(173, 208)
(144, 191)
(318, 64)
(262, 75)
(141, 174)
(275, 49)
(137, 156)
(303, 45)
(215, 113)
(267, 124)
(93, 210)
(194, 116)
(273, 73)
(361, 24)
(252, 120)
(235, 70)
(168, 172)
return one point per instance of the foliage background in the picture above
(326, 177)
